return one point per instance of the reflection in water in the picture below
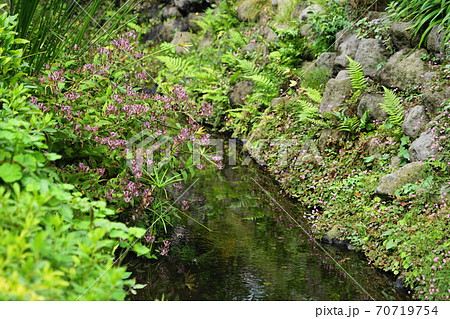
(254, 251)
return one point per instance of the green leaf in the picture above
(53, 156)
(137, 232)
(140, 249)
(391, 244)
(10, 172)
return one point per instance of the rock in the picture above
(343, 75)
(341, 36)
(298, 10)
(325, 60)
(395, 162)
(192, 18)
(306, 30)
(309, 11)
(336, 92)
(240, 92)
(403, 70)
(424, 147)
(247, 10)
(433, 100)
(402, 35)
(410, 173)
(434, 40)
(400, 285)
(371, 102)
(154, 34)
(415, 121)
(169, 12)
(269, 35)
(182, 41)
(206, 41)
(170, 27)
(182, 5)
(371, 54)
(251, 47)
(373, 15)
(348, 47)
(333, 237)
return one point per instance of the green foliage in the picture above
(57, 25)
(54, 243)
(176, 64)
(374, 29)
(356, 75)
(10, 50)
(393, 107)
(354, 124)
(425, 14)
(325, 25)
(218, 18)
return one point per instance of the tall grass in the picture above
(425, 14)
(55, 25)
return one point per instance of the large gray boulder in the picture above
(240, 92)
(410, 173)
(336, 92)
(325, 60)
(371, 102)
(433, 99)
(402, 35)
(434, 40)
(348, 47)
(424, 148)
(405, 69)
(415, 120)
(371, 54)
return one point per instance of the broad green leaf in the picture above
(10, 172)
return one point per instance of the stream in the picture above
(254, 251)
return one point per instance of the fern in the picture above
(175, 64)
(393, 107)
(247, 67)
(261, 80)
(356, 75)
(309, 113)
(314, 95)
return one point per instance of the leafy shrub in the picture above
(10, 54)
(325, 25)
(119, 143)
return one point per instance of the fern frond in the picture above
(393, 107)
(314, 95)
(351, 124)
(356, 75)
(261, 80)
(175, 64)
(364, 120)
(247, 67)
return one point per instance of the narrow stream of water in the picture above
(255, 251)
